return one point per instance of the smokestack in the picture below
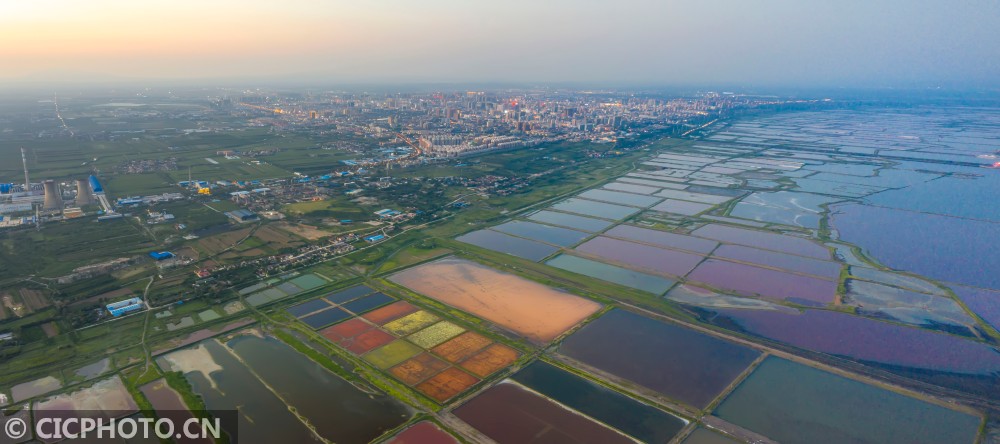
(53, 200)
(83, 194)
(24, 161)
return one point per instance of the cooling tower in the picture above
(83, 194)
(53, 200)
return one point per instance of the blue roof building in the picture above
(160, 255)
(126, 306)
(374, 238)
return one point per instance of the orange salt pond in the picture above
(530, 309)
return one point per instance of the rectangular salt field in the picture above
(756, 281)
(640, 421)
(663, 238)
(368, 303)
(657, 177)
(631, 188)
(309, 281)
(265, 296)
(763, 239)
(509, 413)
(793, 403)
(682, 207)
(657, 259)
(610, 273)
(650, 183)
(733, 220)
(562, 237)
(514, 246)
(682, 364)
(571, 220)
(630, 199)
(815, 267)
(289, 288)
(326, 317)
(307, 307)
(694, 197)
(530, 309)
(338, 410)
(595, 209)
(347, 294)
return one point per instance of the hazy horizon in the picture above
(888, 44)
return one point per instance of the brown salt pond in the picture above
(423, 433)
(509, 413)
(169, 404)
(530, 309)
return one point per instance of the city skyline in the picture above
(774, 43)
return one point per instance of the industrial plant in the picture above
(29, 203)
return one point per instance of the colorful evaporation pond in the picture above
(596, 209)
(945, 248)
(529, 309)
(588, 224)
(514, 246)
(680, 363)
(509, 413)
(636, 419)
(762, 239)
(937, 358)
(672, 262)
(562, 237)
(751, 280)
(794, 403)
(436, 357)
(338, 410)
(319, 313)
(611, 273)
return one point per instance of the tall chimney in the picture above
(83, 194)
(24, 161)
(53, 200)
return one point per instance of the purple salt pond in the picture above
(826, 269)
(643, 256)
(869, 340)
(751, 280)
(663, 238)
(763, 239)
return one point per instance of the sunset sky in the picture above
(768, 42)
